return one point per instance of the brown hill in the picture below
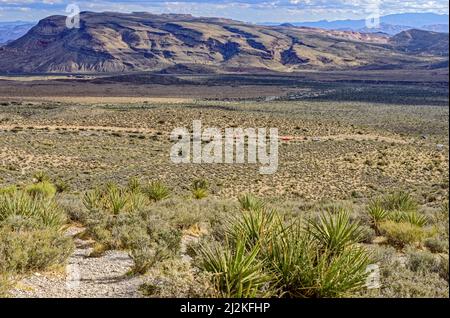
(423, 42)
(117, 42)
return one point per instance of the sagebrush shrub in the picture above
(402, 233)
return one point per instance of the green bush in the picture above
(43, 189)
(24, 251)
(401, 233)
(8, 190)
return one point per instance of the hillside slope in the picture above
(116, 42)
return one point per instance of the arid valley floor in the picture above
(343, 142)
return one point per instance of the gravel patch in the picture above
(85, 277)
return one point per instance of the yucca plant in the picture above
(415, 218)
(377, 214)
(134, 185)
(41, 176)
(335, 232)
(45, 211)
(254, 226)
(136, 202)
(51, 214)
(338, 275)
(250, 202)
(18, 204)
(8, 190)
(116, 200)
(200, 184)
(290, 257)
(92, 199)
(302, 268)
(199, 194)
(399, 201)
(157, 191)
(237, 273)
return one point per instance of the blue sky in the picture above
(245, 10)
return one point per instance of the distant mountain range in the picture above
(389, 24)
(118, 42)
(10, 31)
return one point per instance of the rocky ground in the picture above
(84, 277)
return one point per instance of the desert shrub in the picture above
(24, 251)
(30, 233)
(368, 234)
(436, 245)
(73, 207)
(157, 191)
(399, 282)
(118, 218)
(423, 262)
(6, 283)
(42, 189)
(145, 254)
(200, 184)
(176, 278)
(250, 202)
(401, 233)
(443, 269)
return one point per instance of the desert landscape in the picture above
(92, 206)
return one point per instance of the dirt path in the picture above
(78, 128)
(341, 137)
(84, 277)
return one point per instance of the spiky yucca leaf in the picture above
(335, 231)
(250, 202)
(237, 273)
(253, 226)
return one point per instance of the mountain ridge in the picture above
(390, 24)
(117, 42)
